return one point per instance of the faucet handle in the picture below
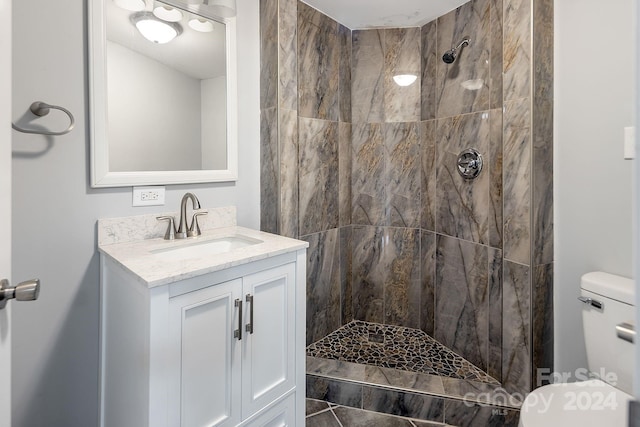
(171, 229)
(194, 230)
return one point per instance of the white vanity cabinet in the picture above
(219, 349)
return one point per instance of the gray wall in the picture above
(55, 346)
(593, 103)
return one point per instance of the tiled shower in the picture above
(365, 171)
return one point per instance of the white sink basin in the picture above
(203, 248)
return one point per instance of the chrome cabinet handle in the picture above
(249, 326)
(626, 331)
(238, 332)
(25, 291)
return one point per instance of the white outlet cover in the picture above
(148, 196)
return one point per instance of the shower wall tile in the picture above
(269, 170)
(318, 179)
(472, 65)
(268, 53)
(428, 175)
(344, 83)
(543, 132)
(344, 172)
(517, 49)
(367, 90)
(516, 335)
(369, 272)
(318, 64)
(323, 284)
(429, 63)
(402, 277)
(496, 61)
(462, 293)
(467, 414)
(288, 54)
(369, 193)
(346, 270)
(495, 178)
(428, 281)
(462, 205)
(338, 392)
(542, 310)
(517, 184)
(289, 179)
(401, 56)
(411, 405)
(494, 358)
(402, 149)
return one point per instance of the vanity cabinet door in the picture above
(204, 386)
(268, 365)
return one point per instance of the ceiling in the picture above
(358, 14)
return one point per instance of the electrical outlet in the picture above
(148, 196)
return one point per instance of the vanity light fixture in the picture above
(223, 8)
(154, 29)
(404, 79)
(167, 13)
(201, 25)
(132, 5)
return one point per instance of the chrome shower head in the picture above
(450, 56)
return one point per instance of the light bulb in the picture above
(167, 13)
(201, 25)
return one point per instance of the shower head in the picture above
(450, 56)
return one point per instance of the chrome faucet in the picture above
(183, 232)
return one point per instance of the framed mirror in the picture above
(162, 93)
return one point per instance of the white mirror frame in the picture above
(100, 174)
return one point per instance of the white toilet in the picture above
(608, 314)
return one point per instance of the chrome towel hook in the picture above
(41, 109)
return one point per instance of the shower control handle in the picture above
(469, 163)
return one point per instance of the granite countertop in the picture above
(138, 257)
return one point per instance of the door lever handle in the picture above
(24, 291)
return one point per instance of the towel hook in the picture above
(41, 109)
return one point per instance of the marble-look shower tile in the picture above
(494, 358)
(318, 64)
(368, 175)
(516, 336)
(323, 284)
(337, 369)
(419, 406)
(479, 392)
(401, 56)
(517, 49)
(402, 147)
(346, 268)
(369, 271)
(359, 417)
(340, 392)
(430, 60)
(495, 83)
(344, 172)
(542, 310)
(462, 205)
(367, 89)
(428, 280)
(318, 192)
(323, 419)
(464, 414)
(495, 178)
(428, 175)
(268, 54)
(462, 293)
(269, 170)
(288, 54)
(517, 184)
(542, 132)
(404, 380)
(344, 83)
(463, 87)
(288, 152)
(402, 277)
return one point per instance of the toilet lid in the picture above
(586, 403)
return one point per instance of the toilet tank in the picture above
(606, 353)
